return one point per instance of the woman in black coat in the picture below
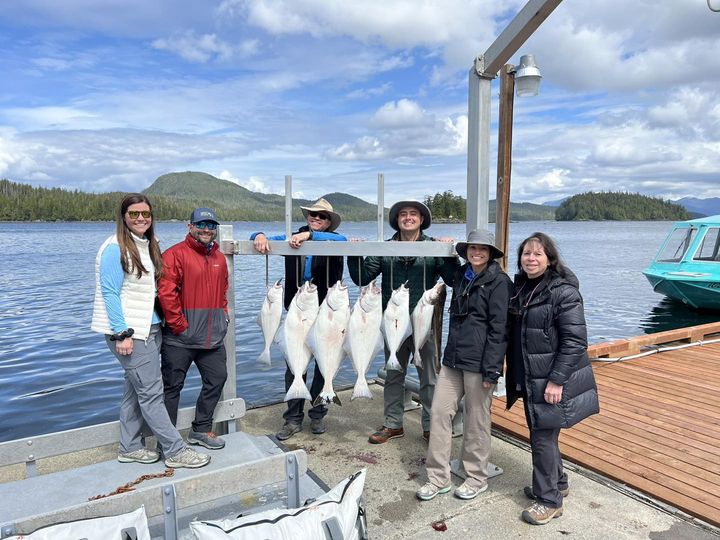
(548, 366)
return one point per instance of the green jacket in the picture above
(398, 270)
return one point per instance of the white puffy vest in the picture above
(137, 296)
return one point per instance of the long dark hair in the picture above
(550, 248)
(129, 254)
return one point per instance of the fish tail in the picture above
(417, 360)
(320, 400)
(393, 363)
(264, 357)
(361, 390)
(297, 390)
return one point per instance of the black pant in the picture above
(211, 364)
(548, 477)
(294, 413)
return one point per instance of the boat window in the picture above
(708, 249)
(677, 244)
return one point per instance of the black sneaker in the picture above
(207, 439)
(317, 426)
(287, 431)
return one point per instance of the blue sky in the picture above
(102, 95)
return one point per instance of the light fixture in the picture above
(527, 77)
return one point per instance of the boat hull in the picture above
(696, 292)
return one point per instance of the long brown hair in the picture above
(551, 251)
(129, 254)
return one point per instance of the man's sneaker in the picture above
(527, 490)
(142, 455)
(317, 426)
(207, 439)
(539, 514)
(467, 492)
(187, 457)
(384, 434)
(430, 491)
(287, 431)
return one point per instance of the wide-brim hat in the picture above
(424, 212)
(321, 205)
(481, 237)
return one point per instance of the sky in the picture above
(104, 95)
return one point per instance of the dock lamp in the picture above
(524, 80)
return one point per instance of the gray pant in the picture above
(143, 399)
(452, 385)
(394, 392)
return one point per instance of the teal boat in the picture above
(687, 266)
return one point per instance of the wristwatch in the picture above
(122, 335)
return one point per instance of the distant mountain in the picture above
(555, 203)
(701, 207)
(618, 207)
(236, 203)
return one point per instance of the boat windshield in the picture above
(709, 246)
(677, 244)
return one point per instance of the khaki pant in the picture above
(451, 386)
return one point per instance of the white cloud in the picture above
(203, 48)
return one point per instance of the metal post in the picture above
(478, 163)
(380, 206)
(504, 160)
(225, 234)
(288, 206)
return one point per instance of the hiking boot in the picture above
(467, 492)
(187, 457)
(142, 455)
(539, 514)
(384, 434)
(527, 490)
(287, 431)
(317, 426)
(205, 438)
(429, 491)
(426, 436)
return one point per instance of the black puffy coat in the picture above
(553, 348)
(478, 330)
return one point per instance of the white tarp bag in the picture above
(102, 528)
(304, 523)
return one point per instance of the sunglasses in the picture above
(209, 225)
(134, 214)
(319, 215)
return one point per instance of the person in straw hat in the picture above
(471, 366)
(409, 219)
(321, 224)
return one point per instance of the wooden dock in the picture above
(658, 430)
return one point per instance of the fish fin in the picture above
(336, 400)
(320, 400)
(310, 340)
(417, 360)
(258, 320)
(393, 363)
(361, 390)
(379, 345)
(298, 390)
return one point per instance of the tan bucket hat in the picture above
(481, 237)
(424, 212)
(321, 205)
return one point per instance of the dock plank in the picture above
(658, 430)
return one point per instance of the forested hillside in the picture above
(618, 207)
(447, 206)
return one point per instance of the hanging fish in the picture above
(298, 321)
(269, 319)
(364, 337)
(327, 336)
(422, 318)
(396, 324)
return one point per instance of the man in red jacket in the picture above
(192, 293)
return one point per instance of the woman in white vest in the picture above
(127, 267)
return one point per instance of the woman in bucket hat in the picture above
(321, 222)
(409, 219)
(471, 366)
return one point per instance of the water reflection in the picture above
(669, 314)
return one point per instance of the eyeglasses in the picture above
(134, 214)
(209, 225)
(319, 215)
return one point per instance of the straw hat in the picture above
(424, 212)
(481, 237)
(321, 205)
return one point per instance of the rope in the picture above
(129, 486)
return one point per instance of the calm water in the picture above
(56, 374)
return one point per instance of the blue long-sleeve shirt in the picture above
(111, 281)
(316, 236)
